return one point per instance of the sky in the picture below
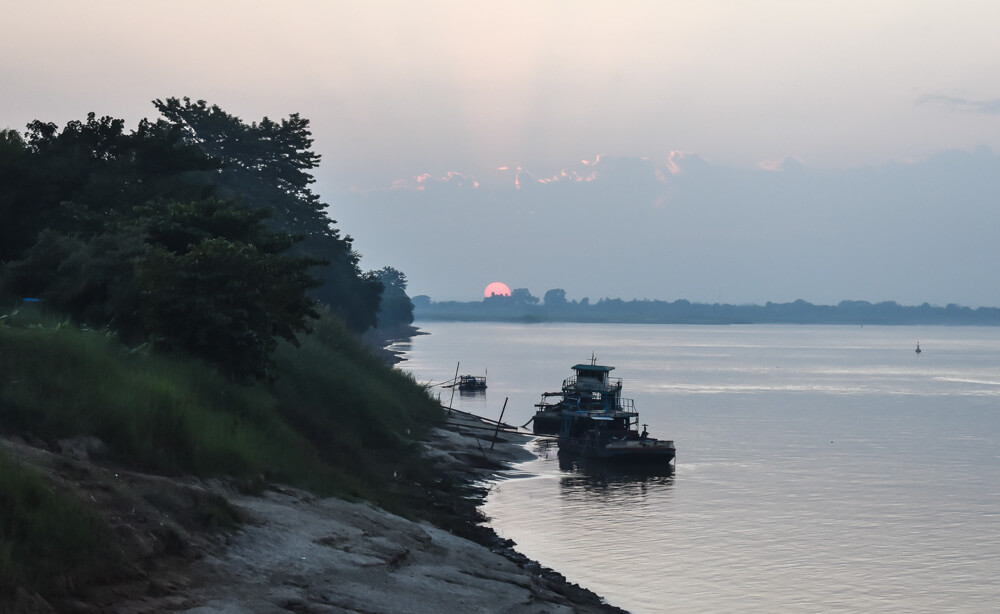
(714, 151)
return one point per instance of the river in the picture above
(819, 468)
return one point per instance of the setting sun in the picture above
(497, 288)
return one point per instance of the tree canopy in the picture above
(396, 308)
(197, 232)
(267, 164)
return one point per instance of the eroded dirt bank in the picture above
(294, 552)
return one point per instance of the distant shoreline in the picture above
(617, 311)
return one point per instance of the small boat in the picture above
(469, 383)
(918, 347)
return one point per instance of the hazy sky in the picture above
(716, 150)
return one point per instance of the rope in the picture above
(447, 381)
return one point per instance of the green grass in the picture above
(45, 537)
(155, 414)
(361, 415)
(335, 421)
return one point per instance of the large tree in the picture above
(268, 164)
(216, 284)
(19, 222)
(125, 230)
(396, 308)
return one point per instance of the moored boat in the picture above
(594, 421)
(468, 383)
(612, 436)
(590, 388)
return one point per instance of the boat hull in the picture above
(546, 423)
(628, 451)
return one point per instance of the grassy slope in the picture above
(336, 421)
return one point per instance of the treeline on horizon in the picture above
(521, 306)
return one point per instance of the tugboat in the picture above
(596, 422)
(591, 388)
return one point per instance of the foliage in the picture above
(335, 418)
(224, 301)
(17, 231)
(522, 296)
(555, 298)
(395, 309)
(75, 190)
(216, 284)
(92, 279)
(358, 412)
(267, 164)
(196, 234)
(119, 229)
(336, 421)
(155, 414)
(90, 175)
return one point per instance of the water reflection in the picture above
(580, 475)
(612, 483)
(609, 474)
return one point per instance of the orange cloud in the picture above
(672, 161)
(421, 181)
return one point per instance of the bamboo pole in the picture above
(454, 382)
(497, 431)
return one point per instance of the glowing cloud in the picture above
(420, 182)
(562, 175)
(584, 171)
(673, 160)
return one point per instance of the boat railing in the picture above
(589, 384)
(624, 406)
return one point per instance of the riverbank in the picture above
(296, 552)
(379, 340)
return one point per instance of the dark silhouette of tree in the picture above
(683, 311)
(89, 176)
(267, 164)
(555, 298)
(227, 301)
(521, 296)
(124, 230)
(396, 308)
(21, 221)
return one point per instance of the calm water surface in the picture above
(820, 468)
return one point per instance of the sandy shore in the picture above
(295, 552)
(304, 554)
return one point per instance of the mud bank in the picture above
(294, 552)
